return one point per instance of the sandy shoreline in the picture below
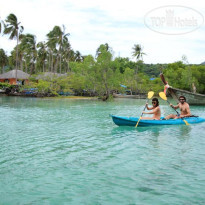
(74, 97)
(56, 97)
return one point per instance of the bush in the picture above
(4, 85)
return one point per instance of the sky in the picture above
(121, 24)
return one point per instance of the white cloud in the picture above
(119, 23)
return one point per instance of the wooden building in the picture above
(10, 77)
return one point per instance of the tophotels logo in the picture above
(173, 20)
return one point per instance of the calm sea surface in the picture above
(68, 151)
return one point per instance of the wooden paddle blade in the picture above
(163, 96)
(150, 94)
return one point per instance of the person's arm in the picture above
(148, 108)
(154, 111)
(175, 107)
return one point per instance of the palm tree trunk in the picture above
(43, 66)
(60, 58)
(52, 63)
(56, 65)
(26, 67)
(17, 55)
(60, 63)
(21, 64)
(68, 69)
(49, 61)
(34, 67)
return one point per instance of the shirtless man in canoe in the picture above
(184, 108)
(156, 110)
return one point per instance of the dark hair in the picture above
(156, 100)
(182, 97)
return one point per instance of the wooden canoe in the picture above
(191, 98)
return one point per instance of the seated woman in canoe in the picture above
(156, 110)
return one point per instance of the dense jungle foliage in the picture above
(98, 75)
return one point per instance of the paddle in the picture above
(164, 97)
(149, 96)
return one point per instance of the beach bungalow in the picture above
(10, 77)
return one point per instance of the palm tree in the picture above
(20, 56)
(78, 57)
(63, 39)
(51, 50)
(42, 53)
(66, 53)
(13, 28)
(57, 36)
(0, 24)
(28, 45)
(137, 52)
(72, 55)
(3, 59)
(106, 47)
(21, 52)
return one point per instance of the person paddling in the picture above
(156, 110)
(184, 108)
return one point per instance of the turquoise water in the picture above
(68, 151)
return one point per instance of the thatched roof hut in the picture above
(11, 76)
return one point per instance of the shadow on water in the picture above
(182, 131)
(122, 130)
(143, 134)
(154, 136)
(151, 131)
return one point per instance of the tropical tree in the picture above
(13, 28)
(104, 72)
(107, 48)
(62, 42)
(137, 52)
(1, 23)
(3, 59)
(78, 57)
(56, 37)
(129, 79)
(28, 45)
(51, 44)
(42, 54)
(72, 55)
(51, 51)
(67, 53)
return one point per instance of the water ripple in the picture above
(70, 152)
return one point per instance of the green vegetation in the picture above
(4, 85)
(183, 76)
(98, 75)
